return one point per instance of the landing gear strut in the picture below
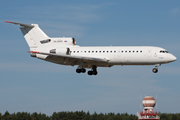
(80, 69)
(93, 71)
(155, 70)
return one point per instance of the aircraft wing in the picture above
(82, 58)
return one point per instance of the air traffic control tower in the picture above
(148, 113)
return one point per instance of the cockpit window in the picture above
(163, 51)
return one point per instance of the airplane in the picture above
(64, 51)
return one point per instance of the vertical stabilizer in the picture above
(33, 34)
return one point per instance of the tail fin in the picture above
(33, 34)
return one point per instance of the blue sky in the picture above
(32, 85)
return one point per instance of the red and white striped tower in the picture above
(148, 113)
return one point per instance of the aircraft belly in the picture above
(60, 60)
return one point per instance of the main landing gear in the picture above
(82, 70)
(91, 72)
(155, 70)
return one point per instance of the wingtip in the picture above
(8, 21)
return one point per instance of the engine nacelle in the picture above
(62, 51)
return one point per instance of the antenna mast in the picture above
(156, 103)
(140, 102)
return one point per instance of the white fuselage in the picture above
(129, 55)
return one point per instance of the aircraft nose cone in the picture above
(173, 58)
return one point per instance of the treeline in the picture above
(169, 116)
(79, 115)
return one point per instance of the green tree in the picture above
(6, 116)
(54, 116)
(34, 116)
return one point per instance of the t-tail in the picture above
(33, 35)
(38, 41)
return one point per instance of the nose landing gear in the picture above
(155, 70)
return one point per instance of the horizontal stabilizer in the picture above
(25, 25)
